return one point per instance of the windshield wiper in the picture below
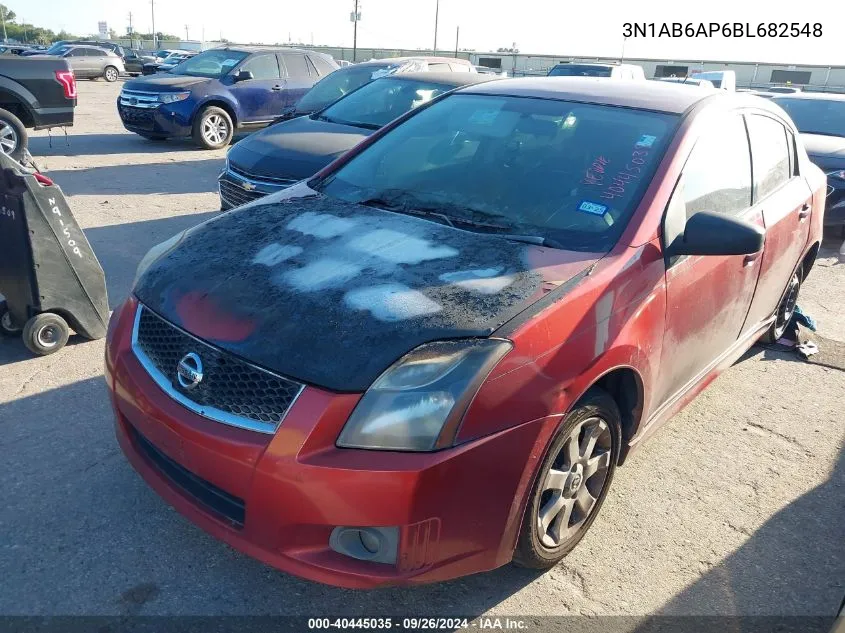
(533, 239)
(389, 205)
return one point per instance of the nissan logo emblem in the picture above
(189, 371)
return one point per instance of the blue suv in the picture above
(212, 94)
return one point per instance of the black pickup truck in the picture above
(34, 93)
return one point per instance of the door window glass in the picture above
(770, 153)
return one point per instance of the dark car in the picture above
(349, 78)
(431, 358)
(34, 93)
(289, 151)
(218, 91)
(134, 61)
(820, 117)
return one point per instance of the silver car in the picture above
(91, 62)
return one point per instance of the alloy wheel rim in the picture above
(214, 129)
(111, 74)
(8, 138)
(574, 482)
(787, 307)
(48, 336)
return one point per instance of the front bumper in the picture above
(171, 120)
(280, 496)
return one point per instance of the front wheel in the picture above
(572, 483)
(45, 333)
(213, 128)
(111, 74)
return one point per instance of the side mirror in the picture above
(708, 233)
(244, 75)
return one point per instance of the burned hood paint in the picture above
(332, 293)
(294, 149)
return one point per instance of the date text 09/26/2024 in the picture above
(723, 29)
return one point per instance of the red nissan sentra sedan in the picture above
(429, 360)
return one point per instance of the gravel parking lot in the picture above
(734, 507)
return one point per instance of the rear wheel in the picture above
(13, 136)
(45, 333)
(785, 310)
(111, 73)
(213, 128)
(572, 483)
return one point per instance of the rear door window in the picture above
(297, 66)
(770, 153)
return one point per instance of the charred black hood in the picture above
(332, 293)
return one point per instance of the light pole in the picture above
(436, 17)
(457, 37)
(153, 9)
(355, 34)
(3, 15)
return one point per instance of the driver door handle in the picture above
(804, 213)
(277, 87)
(749, 259)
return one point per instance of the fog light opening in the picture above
(374, 544)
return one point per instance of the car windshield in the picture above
(815, 116)
(579, 70)
(381, 101)
(214, 63)
(566, 173)
(336, 85)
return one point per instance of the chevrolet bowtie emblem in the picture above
(248, 186)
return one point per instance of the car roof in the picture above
(444, 78)
(827, 96)
(660, 96)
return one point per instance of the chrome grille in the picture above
(139, 99)
(233, 195)
(231, 391)
(270, 180)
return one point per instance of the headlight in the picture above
(154, 253)
(173, 97)
(837, 174)
(417, 404)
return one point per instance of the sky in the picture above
(559, 27)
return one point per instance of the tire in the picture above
(213, 128)
(111, 74)
(783, 314)
(556, 518)
(45, 334)
(6, 327)
(13, 136)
